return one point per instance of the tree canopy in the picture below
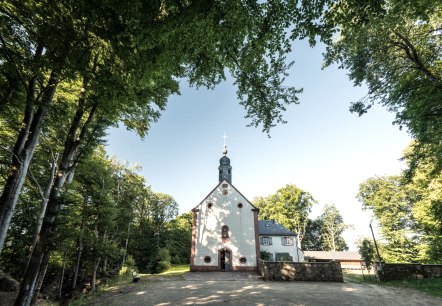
(290, 206)
(394, 47)
(408, 212)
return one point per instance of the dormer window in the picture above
(225, 231)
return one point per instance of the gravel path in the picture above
(242, 290)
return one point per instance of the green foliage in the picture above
(391, 204)
(266, 255)
(333, 227)
(427, 285)
(179, 238)
(394, 48)
(160, 261)
(312, 239)
(325, 232)
(408, 212)
(290, 206)
(366, 249)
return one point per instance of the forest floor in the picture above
(190, 288)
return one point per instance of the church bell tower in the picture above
(225, 170)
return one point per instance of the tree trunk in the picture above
(44, 203)
(74, 138)
(125, 247)
(40, 278)
(94, 273)
(23, 152)
(80, 244)
(97, 258)
(60, 286)
(104, 243)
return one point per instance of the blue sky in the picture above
(323, 149)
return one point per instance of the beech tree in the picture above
(394, 47)
(128, 57)
(290, 206)
(333, 227)
(408, 212)
(136, 52)
(325, 232)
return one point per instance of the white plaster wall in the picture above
(277, 247)
(240, 221)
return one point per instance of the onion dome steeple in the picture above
(225, 170)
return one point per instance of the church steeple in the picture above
(225, 170)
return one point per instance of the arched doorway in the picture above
(225, 256)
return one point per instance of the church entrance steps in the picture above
(224, 276)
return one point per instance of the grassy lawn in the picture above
(176, 270)
(356, 276)
(430, 286)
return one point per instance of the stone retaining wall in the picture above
(395, 271)
(301, 271)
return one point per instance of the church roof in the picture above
(226, 182)
(273, 228)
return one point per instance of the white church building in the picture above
(225, 232)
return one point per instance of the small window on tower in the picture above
(225, 231)
(230, 172)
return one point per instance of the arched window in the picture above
(225, 231)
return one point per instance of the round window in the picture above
(239, 205)
(207, 259)
(242, 260)
(209, 205)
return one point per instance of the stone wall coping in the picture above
(299, 262)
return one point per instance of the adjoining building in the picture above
(278, 243)
(349, 260)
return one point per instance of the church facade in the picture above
(225, 228)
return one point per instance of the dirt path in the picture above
(242, 292)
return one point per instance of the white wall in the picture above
(277, 247)
(240, 221)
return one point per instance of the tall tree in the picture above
(289, 206)
(140, 51)
(394, 47)
(312, 239)
(134, 59)
(179, 238)
(366, 250)
(333, 227)
(39, 47)
(391, 203)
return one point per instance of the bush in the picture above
(160, 262)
